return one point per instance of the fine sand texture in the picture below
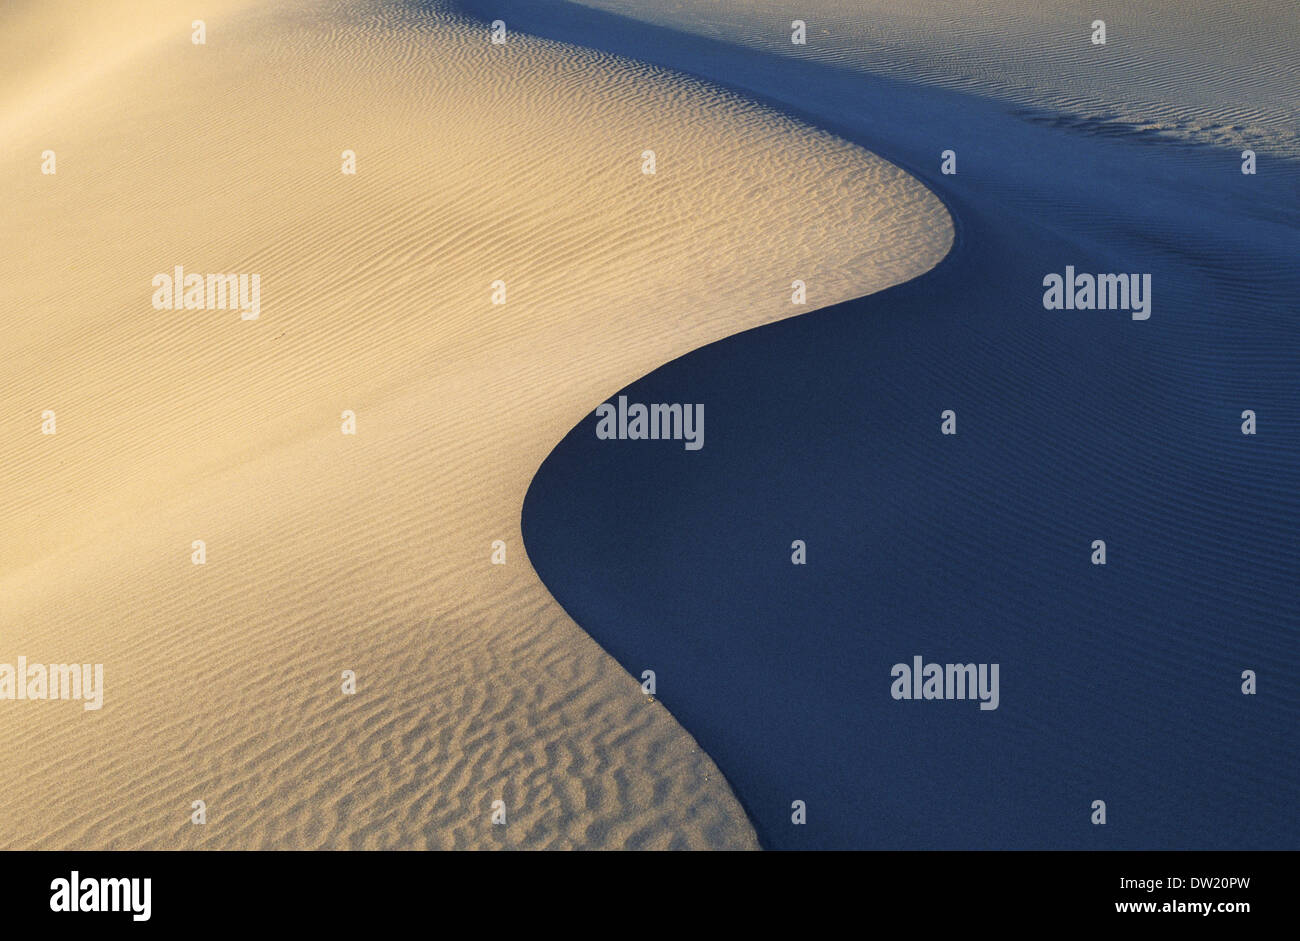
(371, 553)
(1192, 71)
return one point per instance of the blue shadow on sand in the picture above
(1120, 682)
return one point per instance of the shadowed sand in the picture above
(1121, 682)
(1176, 70)
(368, 553)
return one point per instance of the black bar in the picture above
(328, 890)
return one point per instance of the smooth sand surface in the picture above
(370, 553)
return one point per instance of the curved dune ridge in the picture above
(1120, 682)
(370, 553)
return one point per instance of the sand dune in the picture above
(1119, 683)
(369, 553)
(1184, 70)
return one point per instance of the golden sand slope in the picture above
(369, 553)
